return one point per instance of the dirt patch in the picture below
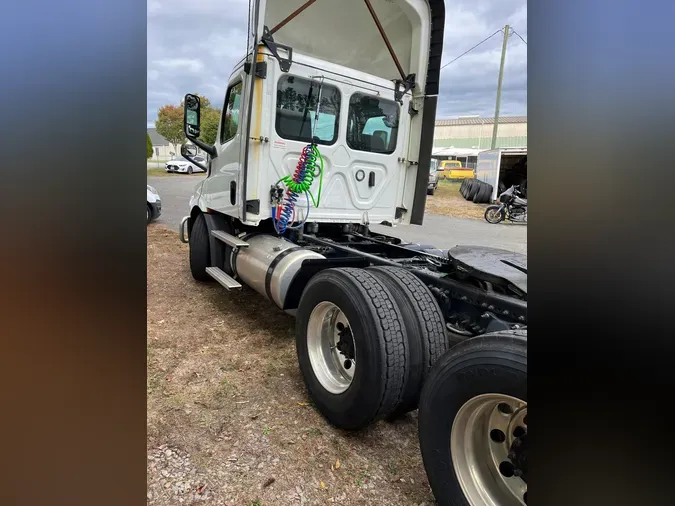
(229, 419)
(447, 201)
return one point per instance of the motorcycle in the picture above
(512, 206)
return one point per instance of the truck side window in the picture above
(372, 124)
(296, 107)
(230, 120)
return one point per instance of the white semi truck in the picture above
(327, 127)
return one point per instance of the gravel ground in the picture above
(229, 419)
(451, 228)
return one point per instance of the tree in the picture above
(169, 124)
(209, 128)
(149, 145)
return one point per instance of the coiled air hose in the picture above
(300, 182)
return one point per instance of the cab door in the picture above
(221, 188)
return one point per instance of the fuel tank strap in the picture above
(270, 269)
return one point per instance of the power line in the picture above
(474, 47)
(513, 31)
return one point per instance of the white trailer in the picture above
(327, 126)
(494, 166)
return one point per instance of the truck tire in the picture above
(488, 194)
(351, 346)
(424, 325)
(473, 189)
(479, 193)
(473, 422)
(462, 188)
(468, 188)
(483, 195)
(477, 187)
(200, 254)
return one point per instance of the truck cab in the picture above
(329, 76)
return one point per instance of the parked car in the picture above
(154, 207)
(433, 177)
(185, 166)
(452, 169)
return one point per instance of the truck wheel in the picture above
(462, 188)
(431, 191)
(351, 347)
(473, 422)
(200, 254)
(424, 325)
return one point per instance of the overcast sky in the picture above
(192, 47)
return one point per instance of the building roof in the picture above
(481, 121)
(156, 139)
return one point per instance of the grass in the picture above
(447, 201)
(362, 479)
(162, 172)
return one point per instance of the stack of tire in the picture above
(476, 191)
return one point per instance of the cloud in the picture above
(193, 45)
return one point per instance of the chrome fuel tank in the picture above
(269, 265)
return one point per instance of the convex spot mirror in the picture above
(188, 150)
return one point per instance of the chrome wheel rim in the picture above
(494, 215)
(331, 347)
(487, 445)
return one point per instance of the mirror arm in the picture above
(197, 163)
(210, 149)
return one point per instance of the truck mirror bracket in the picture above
(268, 40)
(407, 84)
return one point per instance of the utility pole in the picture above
(499, 88)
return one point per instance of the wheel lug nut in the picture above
(517, 472)
(511, 455)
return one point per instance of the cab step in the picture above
(229, 239)
(224, 279)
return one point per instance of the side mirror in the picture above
(188, 150)
(191, 117)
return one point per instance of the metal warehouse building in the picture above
(464, 137)
(476, 133)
